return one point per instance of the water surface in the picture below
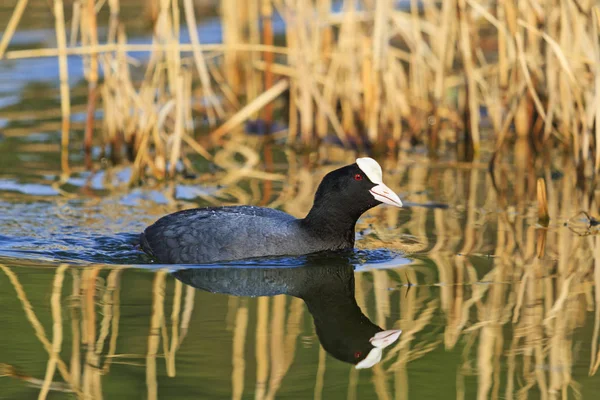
(491, 304)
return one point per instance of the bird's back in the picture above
(204, 235)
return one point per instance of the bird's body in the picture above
(205, 235)
(213, 234)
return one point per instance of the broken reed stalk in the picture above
(91, 31)
(304, 65)
(542, 199)
(441, 50)
(238, 351)
(261, 101)
(467, 58)
(595, 33)
(91, 384)
(200, 62)
(323, 40)
(175, 315)
(290, 38)
(320, 379)
(186, 315)
(57, 330)
(12, 26)
(266, 11)
(130, 47)
(178, 130)
(75, 364)
(65, 98)
(113, 285)
(253, 78)
(158, 297)
(233, 23)
(261, 345)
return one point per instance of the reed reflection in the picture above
(325, 284)
(501, 304)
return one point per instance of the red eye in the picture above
(358, 177)
(357, 354)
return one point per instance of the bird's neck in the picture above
(332, 223)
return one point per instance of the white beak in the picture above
(385, 195)
(384, 338)
(371, 359)
(380, 341)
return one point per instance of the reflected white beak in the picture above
(383, 339)
(371, 359)
(380, 341)
(385, 195)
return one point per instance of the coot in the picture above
(211, 234)
(326, 284)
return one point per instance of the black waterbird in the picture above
(205, 235)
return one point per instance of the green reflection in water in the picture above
(490, 303)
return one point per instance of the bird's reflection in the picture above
(325, 283)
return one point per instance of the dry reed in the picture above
(375, 74)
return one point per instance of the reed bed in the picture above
(369, 73)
